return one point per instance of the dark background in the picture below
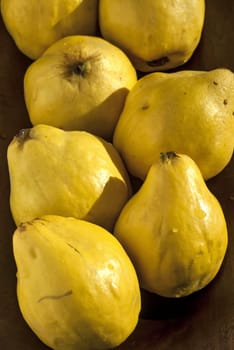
(204, 320)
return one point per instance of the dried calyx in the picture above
(167, 156)
(23, 135)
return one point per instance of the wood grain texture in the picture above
(204, 320)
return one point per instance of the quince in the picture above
(156, 35)
(173, 228)
(35, 25)
(77, 288)
(79, 83)
(67, 173)
(190, 112)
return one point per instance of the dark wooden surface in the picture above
(204, 320)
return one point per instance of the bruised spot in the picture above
(145, 106)
(225, 101)
(22, 227)
(215, 82)
(158, 62)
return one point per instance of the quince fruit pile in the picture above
(105, 111)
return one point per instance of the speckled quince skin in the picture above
(156, 35)
(76, 286)
(190, 112)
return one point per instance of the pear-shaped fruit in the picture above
(35, 25)
(77, 288)
(191, 112)
(68, 173)
(173, 228)
(156, 35)
(79, 83)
